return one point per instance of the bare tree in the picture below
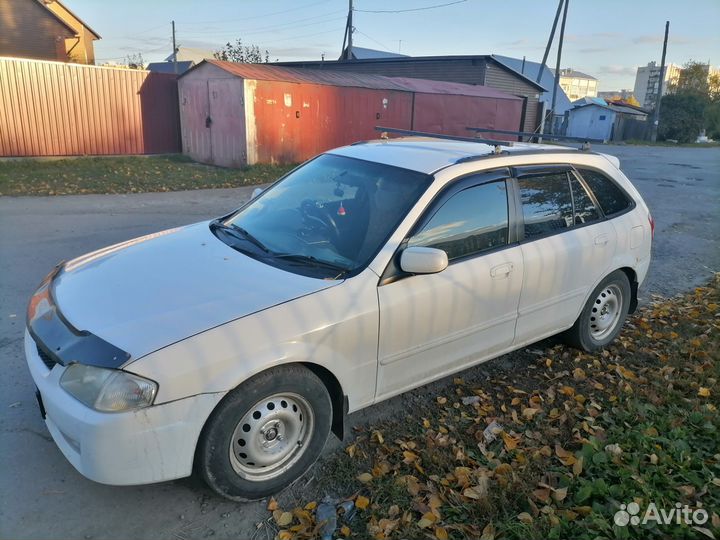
(135, 61)
(238, 52)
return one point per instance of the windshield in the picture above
(331, 215)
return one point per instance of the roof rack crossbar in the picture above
(583, 140)
(491, 142)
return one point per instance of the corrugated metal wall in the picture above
(294, 122)
(450, 115)
(499, 78)
(59, 109)
(466, 70)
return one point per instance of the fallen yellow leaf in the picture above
(365, 477)
(703, 392)
(362, 502)
(510, 441)
(441, 533)
(525, 517)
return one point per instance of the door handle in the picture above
(501, 271)
(601, 240)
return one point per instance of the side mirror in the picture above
(423, 260)
(257, 191)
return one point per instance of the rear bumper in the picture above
(129, 448)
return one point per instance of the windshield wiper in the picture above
(309, 260)
(239, 232)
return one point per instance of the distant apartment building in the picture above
(611, 95)
(647, 82)
(577, 85)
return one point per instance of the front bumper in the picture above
(148, 445)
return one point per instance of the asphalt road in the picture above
(42, 496)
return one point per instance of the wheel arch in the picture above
(338, 400)
(337, 397)
(632, 278)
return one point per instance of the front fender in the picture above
(336, 328)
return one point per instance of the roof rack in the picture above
(492, 142)
(584, 140)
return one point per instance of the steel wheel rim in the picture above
(606, 312)
(271, 436)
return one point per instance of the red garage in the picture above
(237, 114)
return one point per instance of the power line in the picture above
(408, 10)
(261, 30)
(257, 16)
(373, 39)
(302, 36)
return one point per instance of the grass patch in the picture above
(579, 435)
(132, 174)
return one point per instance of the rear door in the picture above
(435, 324)
(567, 247)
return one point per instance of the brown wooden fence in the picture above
(58, 109)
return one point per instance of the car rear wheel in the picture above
(603, 315)
(265, 434)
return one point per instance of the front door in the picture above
(432, 325)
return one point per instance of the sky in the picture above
(607, 39)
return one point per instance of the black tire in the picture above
(584, 334)
(224, 473)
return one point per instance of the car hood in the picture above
(149, 292)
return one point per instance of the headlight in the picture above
(108, 390)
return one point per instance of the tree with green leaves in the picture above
(691, 105)
(238, 52)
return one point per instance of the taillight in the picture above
(652, 226)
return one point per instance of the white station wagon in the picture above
(236, 345)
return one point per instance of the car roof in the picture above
(428, 155)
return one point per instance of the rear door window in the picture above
(546, 203)
(611, 198)
(585, 211)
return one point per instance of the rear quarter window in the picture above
(611, 198)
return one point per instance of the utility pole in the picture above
(350, 28)
(656, 112)
(557, 65)
(550, 40)
(174, 54)
(347, 38)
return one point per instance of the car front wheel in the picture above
(265, 434)
(603, 315)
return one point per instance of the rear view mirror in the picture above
(423, 260)
(257, 191)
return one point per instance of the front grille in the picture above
(46, 358)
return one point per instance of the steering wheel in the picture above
(314, 214)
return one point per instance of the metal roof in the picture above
(570, 72)
(264, 72)
(168, 67)
(530, 69)
(410, 59)
(362, 53)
